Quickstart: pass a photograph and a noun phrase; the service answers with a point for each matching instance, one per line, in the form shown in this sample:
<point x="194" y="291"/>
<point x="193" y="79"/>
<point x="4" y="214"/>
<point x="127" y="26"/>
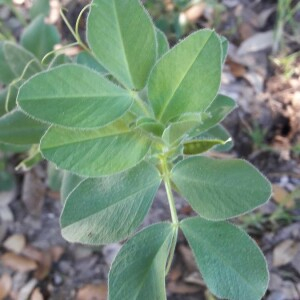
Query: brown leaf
<point x="236" y="69"/>
<point x="15" y="243"/>
<point x="5" y="286"/>
<point x="92" y="292"/>
<point x="37" y="295"/>
<point x="282" y="197"/>
<point x="18" y="263"/>
<point x="285" y="252"/>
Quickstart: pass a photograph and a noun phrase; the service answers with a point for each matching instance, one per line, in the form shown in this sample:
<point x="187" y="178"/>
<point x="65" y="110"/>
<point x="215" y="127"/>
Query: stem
<point x="172" y="252"/>
<point x="166" y="177"/>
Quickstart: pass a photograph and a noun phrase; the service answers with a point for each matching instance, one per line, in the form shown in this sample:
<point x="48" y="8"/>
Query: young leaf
<point x="117" y="42"/>
<point x="162" y="43"/>
<point x="113" y="207"/>
<point x="200" y="145"/>
<point x="73" y="96"/>
<point x="221" y="133"/>
<point x="230" y="262"/>
<point x="94" y="153"/>
<point x="138" y="271"/>
<point x="220" y="189"/>
<point x="69" y="183"/>
<point x="39" y="38"/>
<point x="187" y="78"/>
<point x="17" y="128"/>
<point x="19" y="58"/>
<point x="6" y="74"/>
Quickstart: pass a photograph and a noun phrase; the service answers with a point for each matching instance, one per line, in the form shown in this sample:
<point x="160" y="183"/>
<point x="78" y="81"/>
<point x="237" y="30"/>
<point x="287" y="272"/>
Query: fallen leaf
<point x="285" y="252"/>
<point x="257" y="42"/>
<point x="44" y="266"/>
<point x="27" y="289"/>
<point x="37" y="295"/>
<point x="15" y="243"/>
<point x="236" y="69"/>
<point x="282" y="197"/>
<point x="92" y="292"/>
<point x="18" y="263"/>
<point x="5" y="286"/>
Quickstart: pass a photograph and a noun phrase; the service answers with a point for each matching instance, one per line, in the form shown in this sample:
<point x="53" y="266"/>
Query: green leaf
<point x="59" y="60"/>
<point x="221" y="133"/>
<point x="69" y="183"/>
<point x="33" y="158"/>
<point x="95" y="153"/>
<point x="6" y="74"/>
<point x="20" y="59"/>
<point x="187" y="78"/>
<point x="3" y="95"/>
<point x="73" y="96"/>
<point x="218" y="189"/>
<point x="116" y="40"/>
<point x="54" y="177"/>
<point x="162" y="43"/>
<point x="40" y="38"/>
<point x="17" y="128"/>
<point x="230" y="262"/>
<point x="39" y="7"/>
<point x="113" y="206"/>
<point x="200" y="145"/>
<point x="86" y="59"/>
<point x="217" y="111"/>
<point x="150" y="125"/>
<point x="138" y="271"/>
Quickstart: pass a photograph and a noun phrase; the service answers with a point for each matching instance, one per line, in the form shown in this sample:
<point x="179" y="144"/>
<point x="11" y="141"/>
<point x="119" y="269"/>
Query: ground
<point x="262" y="74"/>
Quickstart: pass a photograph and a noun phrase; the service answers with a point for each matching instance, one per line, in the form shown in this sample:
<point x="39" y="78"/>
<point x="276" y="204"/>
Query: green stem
<point x="172" y="251"/>
<point x="166" y="177"/>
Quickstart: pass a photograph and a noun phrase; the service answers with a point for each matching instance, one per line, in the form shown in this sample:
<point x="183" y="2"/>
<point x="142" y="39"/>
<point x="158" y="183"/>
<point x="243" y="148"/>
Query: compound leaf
<point x="113" y="206"/>
<point x="117" y="42"/>
<point x="138" y="271"/>
<point x="73" y="96"/>
<point x="187" y="78"/>
<point x="68" y="184"/>
<point x="220" y="189"/>
<point x="230" y="262"/>
<point x="93" y="153"/>
<point x="162" y="43"/>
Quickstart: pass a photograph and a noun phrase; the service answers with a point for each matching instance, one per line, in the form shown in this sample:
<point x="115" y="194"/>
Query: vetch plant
<point x="151" y="119"/>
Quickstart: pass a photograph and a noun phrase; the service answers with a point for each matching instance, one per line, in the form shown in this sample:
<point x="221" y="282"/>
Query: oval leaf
<point x="162" y="43"/>
<point x="230" y="262"/>
<point x="17" y="128"/>
<point x="73" y="96"/>
<point x="68" y="184"/>
<point x="187" y="78"/>
<point x="95" y="152"/>
<point x="113" y="206"/>
<point x="138" y="271"/>
<point x="220" y="189"/>
<point x="6" y="74"/>
<point x="117" y="42"/>
<point x="200" y="146"/>
<point x="39" y="38"/>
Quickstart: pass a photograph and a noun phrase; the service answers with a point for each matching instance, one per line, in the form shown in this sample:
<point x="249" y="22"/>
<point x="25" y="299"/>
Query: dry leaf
<point x="285" y="252"/>
<point x="27" y="289"/>
<point x="236" y="69"/>
<point x="5" y="286"/>
<point x="15" y="243"/>
<point x="193" y="13"/>
<point x="259" y="41"/>
<point x="282" y="197"/>
<point x="92" y="292"/>
<point x="18" y="263"/>
<point x="37" y="295"/>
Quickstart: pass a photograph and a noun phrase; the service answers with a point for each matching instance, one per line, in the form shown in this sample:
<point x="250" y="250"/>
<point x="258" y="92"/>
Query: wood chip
<point x="5" y="286"/>
<point x="92" y="292"/>
<point x="285" y="252"/>
<point x="15" y="243"/>
<point x="18" y="263"/>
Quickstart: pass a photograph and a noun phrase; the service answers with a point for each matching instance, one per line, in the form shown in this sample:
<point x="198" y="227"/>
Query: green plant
<point x="150" y="121"/>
